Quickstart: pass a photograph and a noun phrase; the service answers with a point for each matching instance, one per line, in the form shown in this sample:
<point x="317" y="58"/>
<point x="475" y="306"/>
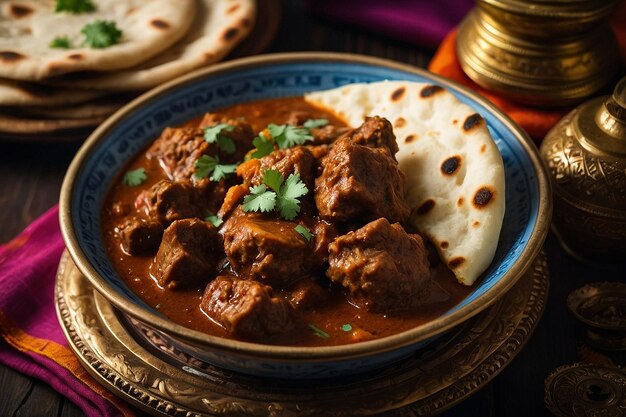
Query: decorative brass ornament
<point x="539" y="52"/>
<point x="164" y="382"/>
<point x="601" y="307"/>
<point x="586" y="158"/>
<point x="586" y="390"/>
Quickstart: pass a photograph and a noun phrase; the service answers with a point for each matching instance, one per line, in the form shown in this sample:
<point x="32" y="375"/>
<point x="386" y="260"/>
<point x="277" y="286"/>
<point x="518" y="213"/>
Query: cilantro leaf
<point x="213" y="134"/>
<point x="346" y="327"/>
<point x="284" y="197"/>
<point x="318" y="332"/>
<point x="74" y="6"/>
<point x="304" y="232"/>
<point x="294" y="187"/>
<point x="213" y="219"/>
<point x="313" y="123"/>
<point x="287" y="136"/>
<point x="61" y="42"/>
<point x="273" y="179"/>
<point x="222" y="171"/>
<point x="287" y="201"/>
<point x="204" y="166"/>
<point x="208" y="165"/>
<point x="101" y="34"/>
<point x="135" y="177"/>
<point x="259" y="199"/>
<point x="263" y="146"/>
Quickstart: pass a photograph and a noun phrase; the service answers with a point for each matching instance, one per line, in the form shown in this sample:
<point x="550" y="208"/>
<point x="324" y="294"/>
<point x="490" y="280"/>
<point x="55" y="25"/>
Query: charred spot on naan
<point x="451" y="165"/>
<point x="425" y="207"/>
<point x="472" y="122"/>
<point x="159" y="24"/>
<point x="430" y="90"/>
<point x="76" y="57"/>
<point x="460" y="201"/>
<point x="233" y="8"/>
<point x="398" y="93"/>
<point x="483" y="196"/>
<point x="456" y="262"/>
<point x="400" y="122"/>
<point x="410" y="138"/>
<point x="19" y="11"/>
<point x="10" y="56"/>
<point x="444" y="244"/>
<point x="230" y="34"/>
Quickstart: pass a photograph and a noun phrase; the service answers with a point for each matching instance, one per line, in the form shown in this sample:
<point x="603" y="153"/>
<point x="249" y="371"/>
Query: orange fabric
<point x="62" y="355"/>
<point x="536" y="121"/>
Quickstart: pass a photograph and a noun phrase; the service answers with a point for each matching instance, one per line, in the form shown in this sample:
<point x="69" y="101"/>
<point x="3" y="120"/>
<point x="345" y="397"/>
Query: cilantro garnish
<point x="208" y="165"/>
<point x="313" y="123"/>
<point x="346" y="327"/>
<point x="135" y="177"/>
<point x="213" y="219"/>
<point x="259" y="199"/>
<point x="61" y="42"/>
<point x="304" y="232"/>
<point x="287" y="136"/>
<point x="74" y="6"/>
<point x="101" y="34"/>
<point x="213" y="134"/>
<point x="263" y="146"/>
<point x="284" y="196"/>
<point x="318" y="332"/>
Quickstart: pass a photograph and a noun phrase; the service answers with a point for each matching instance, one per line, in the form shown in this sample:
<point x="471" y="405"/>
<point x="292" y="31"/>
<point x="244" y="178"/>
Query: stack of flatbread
<point x="48" y="88"/>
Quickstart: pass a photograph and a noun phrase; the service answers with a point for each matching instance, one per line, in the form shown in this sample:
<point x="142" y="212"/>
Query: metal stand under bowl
<point x="433" y="379"/>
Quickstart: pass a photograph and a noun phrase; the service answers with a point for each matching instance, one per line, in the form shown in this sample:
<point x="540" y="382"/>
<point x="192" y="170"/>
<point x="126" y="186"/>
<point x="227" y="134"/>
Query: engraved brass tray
<point x="431" y="380"/>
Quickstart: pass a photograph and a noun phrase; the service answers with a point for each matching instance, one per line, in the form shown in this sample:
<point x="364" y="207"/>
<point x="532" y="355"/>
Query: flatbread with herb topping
<point x="218" y="27"/>
<point x="27" y="28"/>
<point x="455" y="173"/>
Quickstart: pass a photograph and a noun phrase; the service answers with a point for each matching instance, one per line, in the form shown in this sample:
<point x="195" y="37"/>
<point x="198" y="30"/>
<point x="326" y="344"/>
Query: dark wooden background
<point x="31" y="176"/>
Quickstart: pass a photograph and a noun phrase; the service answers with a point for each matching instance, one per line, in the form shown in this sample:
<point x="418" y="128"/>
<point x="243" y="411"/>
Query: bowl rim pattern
<point x="340" y="352"/>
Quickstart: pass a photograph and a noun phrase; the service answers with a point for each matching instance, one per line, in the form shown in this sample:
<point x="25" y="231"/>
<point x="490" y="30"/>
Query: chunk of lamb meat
<point x="246" y="308"/>
<point x="266" y="249"/>
<point x="307" y="294"/>
<point x="375" y="132"/>
<point x="241" y="134"/>
<point x="168" y="201"/>
<point x="298" y="160"/>
<point x="140" y="236"/>
<point x="382" y="268"/>
<point x="360" y="182"/>
<point x="178" y="149"/>
<point x="188" y="256"/>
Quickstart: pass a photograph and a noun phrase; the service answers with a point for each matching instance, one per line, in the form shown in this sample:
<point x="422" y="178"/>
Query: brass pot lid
<point x="601" y="305"/>
<point x="602" y="308"/>
<point x="586" y="390"/>
<point x="557" y="9"/>
<point x="600" y="125"/>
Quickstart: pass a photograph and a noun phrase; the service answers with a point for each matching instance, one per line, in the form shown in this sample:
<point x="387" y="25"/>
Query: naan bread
<point x="27" y="28"/>
<point x="455" y="174"/>
<point x="23" y="93"/>
<point x="218" y="27"/>
<point x="101" y="107"/>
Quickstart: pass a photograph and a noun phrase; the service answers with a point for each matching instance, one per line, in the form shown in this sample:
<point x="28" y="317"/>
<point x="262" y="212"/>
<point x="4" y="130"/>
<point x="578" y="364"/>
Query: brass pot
<point x="586" y="157"/>
<point x="539" y="52"/>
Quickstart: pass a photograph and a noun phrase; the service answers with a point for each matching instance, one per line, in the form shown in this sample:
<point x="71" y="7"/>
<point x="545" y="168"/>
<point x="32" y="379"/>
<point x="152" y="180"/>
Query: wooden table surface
<point x="31" y="176"/>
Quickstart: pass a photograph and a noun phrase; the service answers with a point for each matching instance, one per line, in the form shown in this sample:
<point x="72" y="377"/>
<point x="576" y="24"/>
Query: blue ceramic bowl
<point x="125" y="134"/>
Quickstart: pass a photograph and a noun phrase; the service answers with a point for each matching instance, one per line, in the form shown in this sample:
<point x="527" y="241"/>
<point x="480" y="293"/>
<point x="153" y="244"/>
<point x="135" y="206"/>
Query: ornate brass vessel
<point x="586" y="156"/>
<point x="540" y="52"/>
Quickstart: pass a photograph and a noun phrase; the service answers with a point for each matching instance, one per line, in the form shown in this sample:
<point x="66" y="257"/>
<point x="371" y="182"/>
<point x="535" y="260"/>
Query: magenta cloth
<point x="28" y="320"/>
<point x="422" y="22"/>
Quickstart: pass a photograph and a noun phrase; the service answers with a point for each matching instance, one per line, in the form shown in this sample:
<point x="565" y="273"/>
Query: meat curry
<point x="274" y="222"/>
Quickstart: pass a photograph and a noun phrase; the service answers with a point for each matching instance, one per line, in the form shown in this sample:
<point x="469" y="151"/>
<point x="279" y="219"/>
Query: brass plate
<point x="428" y="382"/>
